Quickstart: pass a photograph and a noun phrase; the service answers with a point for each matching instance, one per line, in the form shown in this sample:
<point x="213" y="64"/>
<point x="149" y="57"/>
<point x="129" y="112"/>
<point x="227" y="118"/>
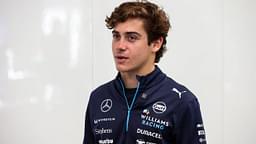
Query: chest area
<point x="148" y="123"/>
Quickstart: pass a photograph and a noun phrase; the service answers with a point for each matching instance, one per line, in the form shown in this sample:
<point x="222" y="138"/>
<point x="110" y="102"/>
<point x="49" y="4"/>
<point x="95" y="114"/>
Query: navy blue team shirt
<point x="157" y="111"/>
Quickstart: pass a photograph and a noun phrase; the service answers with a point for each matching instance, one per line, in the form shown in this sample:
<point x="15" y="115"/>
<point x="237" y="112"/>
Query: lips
<point x="121" y="59"/>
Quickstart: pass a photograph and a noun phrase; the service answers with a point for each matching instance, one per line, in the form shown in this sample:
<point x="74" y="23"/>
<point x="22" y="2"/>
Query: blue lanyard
<point x="129" y="107"/>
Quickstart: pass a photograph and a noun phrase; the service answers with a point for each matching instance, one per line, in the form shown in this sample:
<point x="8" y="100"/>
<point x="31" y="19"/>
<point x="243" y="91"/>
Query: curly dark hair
<point x="156" y="21"/>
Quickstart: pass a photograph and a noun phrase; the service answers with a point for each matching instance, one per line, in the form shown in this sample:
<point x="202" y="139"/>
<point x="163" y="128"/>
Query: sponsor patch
<point x="140" y="141"/>
<point x="96" y="121"/>
<point x="106" y="105"/>
<point x="201" y="133"/>
<point x="102" y="131"/>
<point x="153" y="122"/>
<point x="159" y="107"/>
<point x="149" y="133"/>
<point x="106" y="141"/>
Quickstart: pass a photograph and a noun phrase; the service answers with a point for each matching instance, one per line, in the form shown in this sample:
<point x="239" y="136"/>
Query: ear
<point x="156" y="44"/>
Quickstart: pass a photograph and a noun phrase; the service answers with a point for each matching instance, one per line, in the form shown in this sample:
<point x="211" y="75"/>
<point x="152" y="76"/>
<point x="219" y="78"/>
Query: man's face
<point x="130" y="47"/>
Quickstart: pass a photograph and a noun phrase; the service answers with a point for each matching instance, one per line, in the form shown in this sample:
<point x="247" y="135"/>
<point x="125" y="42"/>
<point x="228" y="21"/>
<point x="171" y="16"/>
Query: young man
<point x="141" y="105"/>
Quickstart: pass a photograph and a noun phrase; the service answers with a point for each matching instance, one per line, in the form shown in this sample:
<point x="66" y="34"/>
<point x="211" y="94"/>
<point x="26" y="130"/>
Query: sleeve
<point x="88" y="131"/>
<point x="190" y="128"/>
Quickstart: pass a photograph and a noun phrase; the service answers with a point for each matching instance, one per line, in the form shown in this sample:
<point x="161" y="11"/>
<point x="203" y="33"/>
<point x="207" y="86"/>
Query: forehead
<point x="131" y="25"/>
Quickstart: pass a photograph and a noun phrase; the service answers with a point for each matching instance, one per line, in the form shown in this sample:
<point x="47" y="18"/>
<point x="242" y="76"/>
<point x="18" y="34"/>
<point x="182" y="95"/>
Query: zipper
<point x="129" y="108"/>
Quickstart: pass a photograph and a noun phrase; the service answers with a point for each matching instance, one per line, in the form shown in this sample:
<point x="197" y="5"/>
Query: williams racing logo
<point x="153" y="122"/>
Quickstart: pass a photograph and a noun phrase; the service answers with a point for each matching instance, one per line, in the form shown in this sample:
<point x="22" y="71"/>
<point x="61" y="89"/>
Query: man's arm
<point x="88" y="131"/>
<point x="190" y="128"/>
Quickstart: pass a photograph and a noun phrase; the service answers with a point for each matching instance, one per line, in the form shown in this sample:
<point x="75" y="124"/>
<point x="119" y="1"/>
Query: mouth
<point x="121" y="59"/>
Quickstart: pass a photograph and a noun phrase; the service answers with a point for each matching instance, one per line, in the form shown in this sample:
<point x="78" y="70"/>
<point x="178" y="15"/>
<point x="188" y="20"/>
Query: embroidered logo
<point x="106" y="105"/>
<point x="159" y="107"/>
<point x="178" y="92"/>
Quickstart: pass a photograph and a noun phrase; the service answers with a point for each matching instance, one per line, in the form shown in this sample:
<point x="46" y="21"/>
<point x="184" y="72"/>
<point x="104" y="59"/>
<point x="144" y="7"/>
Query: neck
<point x="130" y="79"/>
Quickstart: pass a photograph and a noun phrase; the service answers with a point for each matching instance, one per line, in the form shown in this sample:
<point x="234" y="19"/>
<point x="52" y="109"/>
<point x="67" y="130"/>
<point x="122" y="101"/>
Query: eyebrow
<point x="127" y="33"/>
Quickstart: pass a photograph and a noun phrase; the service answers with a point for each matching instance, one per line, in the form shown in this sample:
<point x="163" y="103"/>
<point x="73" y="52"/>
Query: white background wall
<point x="54" y="52"/>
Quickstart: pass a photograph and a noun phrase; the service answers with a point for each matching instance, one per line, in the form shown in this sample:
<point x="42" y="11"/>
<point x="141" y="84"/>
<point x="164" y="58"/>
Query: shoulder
<point x="98" y="94"/>
<point x="187" y="102"/>
<point x="102" y="88"/>
<point x="179" y="90"/>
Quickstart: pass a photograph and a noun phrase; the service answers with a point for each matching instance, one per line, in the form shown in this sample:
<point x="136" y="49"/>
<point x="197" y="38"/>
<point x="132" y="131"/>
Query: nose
<point x="120" y="45"/>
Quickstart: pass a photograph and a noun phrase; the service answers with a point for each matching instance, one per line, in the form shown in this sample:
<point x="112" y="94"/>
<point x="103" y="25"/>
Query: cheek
<point x="141" y="53"/>
<point x="144" y="49"/>
<point x="113" y="47"/>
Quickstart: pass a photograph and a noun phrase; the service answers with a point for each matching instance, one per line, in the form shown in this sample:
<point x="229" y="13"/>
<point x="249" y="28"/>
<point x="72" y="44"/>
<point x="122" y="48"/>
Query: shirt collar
<point x="148" y="80"/>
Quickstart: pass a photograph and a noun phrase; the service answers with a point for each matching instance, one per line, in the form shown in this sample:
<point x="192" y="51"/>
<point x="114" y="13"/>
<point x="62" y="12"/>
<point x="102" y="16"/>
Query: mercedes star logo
<point x="106" y="105"/>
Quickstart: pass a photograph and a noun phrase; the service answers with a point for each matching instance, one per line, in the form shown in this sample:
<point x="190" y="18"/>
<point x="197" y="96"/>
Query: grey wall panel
<point x="46" y="70"/>
<point x="195" y="57"/>
<point x="239" y="71"/>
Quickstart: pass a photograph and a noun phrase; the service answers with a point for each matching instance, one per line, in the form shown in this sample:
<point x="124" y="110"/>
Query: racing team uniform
<point x="158" y="111"/>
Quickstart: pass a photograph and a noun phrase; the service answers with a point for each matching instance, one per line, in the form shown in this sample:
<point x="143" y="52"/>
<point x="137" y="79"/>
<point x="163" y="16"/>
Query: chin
<point x="122" y="68"/>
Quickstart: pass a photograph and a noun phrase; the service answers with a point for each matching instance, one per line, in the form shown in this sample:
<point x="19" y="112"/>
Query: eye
<point x="115" y="36"/>
<point x="132" y="38"/>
